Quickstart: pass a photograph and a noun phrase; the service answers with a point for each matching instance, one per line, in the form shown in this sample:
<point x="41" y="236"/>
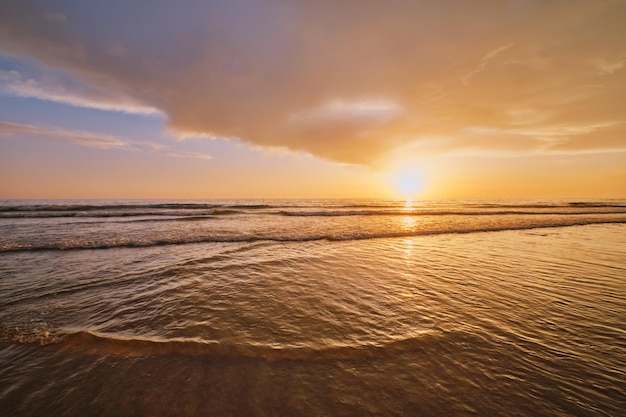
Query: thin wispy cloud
<point x="77" y="137"/>
<point x="76" y="94"/>
<point x="483" y="63"/>
<point x="348" y="81"/>
<point x="94" y="140"/>
<point x="187" y="154"/>
<point x="337" y="111"/>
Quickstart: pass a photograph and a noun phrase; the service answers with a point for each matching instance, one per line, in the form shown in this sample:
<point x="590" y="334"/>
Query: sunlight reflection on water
<point x="441" y="323"/>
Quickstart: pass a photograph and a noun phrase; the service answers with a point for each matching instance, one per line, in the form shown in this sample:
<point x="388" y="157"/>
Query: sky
<point x="313" y="99"/>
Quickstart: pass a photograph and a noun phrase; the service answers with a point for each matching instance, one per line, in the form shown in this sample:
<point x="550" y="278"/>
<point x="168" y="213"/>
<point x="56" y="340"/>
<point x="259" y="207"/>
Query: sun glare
<point x="407" y="183"/>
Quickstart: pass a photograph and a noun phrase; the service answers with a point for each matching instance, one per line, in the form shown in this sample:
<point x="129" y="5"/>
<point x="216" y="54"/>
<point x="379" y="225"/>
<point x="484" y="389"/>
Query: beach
<point x="313" y="307"/>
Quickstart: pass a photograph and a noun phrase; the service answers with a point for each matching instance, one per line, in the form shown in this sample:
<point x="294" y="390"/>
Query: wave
<point x="88" y="342"/>
<point x="160" y="206"/>
<point x="187" y="206"/>
<point x="302" y="208"/>
<point x="119" y="213"/>
<point x="586" y="204"/>
<point x="208" y="214"/>
<point x="83" y="245"/>
<point x="421" y="212"/>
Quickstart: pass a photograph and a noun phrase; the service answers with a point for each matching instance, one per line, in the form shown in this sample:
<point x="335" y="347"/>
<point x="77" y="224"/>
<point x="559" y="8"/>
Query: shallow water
<point x="313" y="308"/>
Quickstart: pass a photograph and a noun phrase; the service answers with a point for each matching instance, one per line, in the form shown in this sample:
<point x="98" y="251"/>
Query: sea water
<point x="312" y="307"/>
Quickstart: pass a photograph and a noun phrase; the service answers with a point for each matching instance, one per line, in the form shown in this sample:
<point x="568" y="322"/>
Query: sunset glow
<point x="408" y="183"/>
<point x="312" y="207"/>
<point x="253" y="99"/>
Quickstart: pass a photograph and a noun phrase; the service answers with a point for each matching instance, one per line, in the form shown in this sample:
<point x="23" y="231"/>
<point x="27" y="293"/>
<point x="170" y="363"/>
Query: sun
<point x="407" y="183"/>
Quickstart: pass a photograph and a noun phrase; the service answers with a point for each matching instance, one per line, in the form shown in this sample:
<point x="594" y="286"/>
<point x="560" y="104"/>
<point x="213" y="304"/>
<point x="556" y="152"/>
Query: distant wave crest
<point x="290" y="208"/>
<point x="405" y="212"/>
<point x="124" y="210"/>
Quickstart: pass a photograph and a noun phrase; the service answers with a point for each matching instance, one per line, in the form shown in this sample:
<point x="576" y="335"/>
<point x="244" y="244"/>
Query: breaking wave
<point x="88" y="342"/>
<point x="329" y="236"/>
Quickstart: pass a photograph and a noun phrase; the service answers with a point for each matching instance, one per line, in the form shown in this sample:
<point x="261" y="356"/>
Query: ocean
<point x="312" y="308"/>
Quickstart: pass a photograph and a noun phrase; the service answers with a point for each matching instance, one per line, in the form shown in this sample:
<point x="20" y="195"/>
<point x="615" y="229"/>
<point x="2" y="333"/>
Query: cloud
<point x="94" y="140"/>
<point x="55" y="17"/>
<point x="338" y="111"/>
<point x="605" y="67"/>
<point x="548" y="139"/>
<point x="58" y="89"/>
<point x="89" y="139"/>
<point x="483" y="62"/>
<point x="186" y="154"/>
<point x="353" y="82"/>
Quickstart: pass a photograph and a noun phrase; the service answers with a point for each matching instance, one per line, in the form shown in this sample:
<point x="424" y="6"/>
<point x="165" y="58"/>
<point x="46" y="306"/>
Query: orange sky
<point x="253" y="99"/>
